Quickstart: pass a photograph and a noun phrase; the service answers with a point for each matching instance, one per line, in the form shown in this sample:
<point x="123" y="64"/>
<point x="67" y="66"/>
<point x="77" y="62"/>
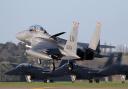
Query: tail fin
<point x="119" y="58"/>
<point x="71" y="45"/>
<point x="96" y="37"/>
<point x="110" y="60"/>
<point x="98" y="47"/>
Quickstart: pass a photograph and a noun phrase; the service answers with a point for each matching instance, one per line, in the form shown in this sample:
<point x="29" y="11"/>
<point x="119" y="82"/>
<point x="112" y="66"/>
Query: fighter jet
<point x="85" y="73"/>
<point x="110" y="68"/>
<point x="32" y="72"/>
<point x="69" y="67"/>
<point x="45" y="46"/>
<point x="116" y="69"/>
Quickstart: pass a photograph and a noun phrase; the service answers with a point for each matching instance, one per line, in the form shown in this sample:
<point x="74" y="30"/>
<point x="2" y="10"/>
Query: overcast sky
<point x="57" y="16"/>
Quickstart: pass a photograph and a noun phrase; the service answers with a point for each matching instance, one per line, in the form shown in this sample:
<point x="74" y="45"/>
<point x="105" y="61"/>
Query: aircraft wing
<point x="61" y="71"/>
<point x="50" y="47"/>
<point x="45" y="44"/>
<point x="43" y="49"/>
<point x="106" y="46"/>
<point x="15" y="71"/>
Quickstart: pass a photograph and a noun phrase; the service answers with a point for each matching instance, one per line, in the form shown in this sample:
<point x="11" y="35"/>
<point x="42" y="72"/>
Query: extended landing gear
<point x="28" y="78"/>
<point x="39" y="61"/>
<point x="90" y="81"/>
<point x="123" y="78"/>
<point x="53" y="63"/>
<point x="73" y="78"/>
<point x="96" y="80"/>
<point x="48" y="81"/>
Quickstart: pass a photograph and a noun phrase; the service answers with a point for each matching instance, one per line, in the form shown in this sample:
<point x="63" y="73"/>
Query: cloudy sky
<point x="57" y="16"/>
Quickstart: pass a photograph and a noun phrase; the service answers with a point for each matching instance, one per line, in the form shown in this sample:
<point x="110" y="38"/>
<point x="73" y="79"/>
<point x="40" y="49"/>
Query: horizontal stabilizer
<point x="58" y="34"/>
<point x="107" y="46"/>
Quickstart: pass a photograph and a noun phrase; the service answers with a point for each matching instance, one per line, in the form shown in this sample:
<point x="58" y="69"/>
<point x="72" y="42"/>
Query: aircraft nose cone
<point x="22" y="35"/>
<point x="19" y="36"/>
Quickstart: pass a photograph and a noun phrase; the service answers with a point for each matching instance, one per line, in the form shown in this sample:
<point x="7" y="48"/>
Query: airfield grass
<point x="66" y="84"/>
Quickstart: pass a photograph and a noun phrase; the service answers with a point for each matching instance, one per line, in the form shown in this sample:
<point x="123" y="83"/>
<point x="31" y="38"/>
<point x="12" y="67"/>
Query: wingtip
<point x="98" y="23"/>
<point x="75" y="25"/>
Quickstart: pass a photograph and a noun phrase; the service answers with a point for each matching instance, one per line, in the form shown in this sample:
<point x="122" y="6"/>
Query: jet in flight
<point x="45" y="46"/>
<point x="42" y="45"/>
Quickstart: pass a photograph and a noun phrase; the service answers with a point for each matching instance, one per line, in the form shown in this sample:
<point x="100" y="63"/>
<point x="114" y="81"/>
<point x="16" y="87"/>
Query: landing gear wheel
<point x="90" y="81"/>
<point x="73" y="78"/>
<point x="97" y="80"/>
<point x="53" y="65"/>
<point x="28" y="78"/>
<point x="46" y="81"/>
<point x="51" y="81"/>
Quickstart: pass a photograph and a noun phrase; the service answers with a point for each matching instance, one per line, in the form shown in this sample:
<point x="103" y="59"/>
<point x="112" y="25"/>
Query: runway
<point x="55" y="88"/>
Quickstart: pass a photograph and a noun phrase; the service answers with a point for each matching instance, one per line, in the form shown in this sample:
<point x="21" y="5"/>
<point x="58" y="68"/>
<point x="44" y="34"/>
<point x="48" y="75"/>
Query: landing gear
<point x="123" y="78"/>
<point x="53" y="65"/>
<point x="90" y="81"/>
<point x="28" y="78"/>
<point x="39" y="61"/>
<point x="97" y="80"/>
<point x="48" y="81"/>
<point x="73" y="78"/>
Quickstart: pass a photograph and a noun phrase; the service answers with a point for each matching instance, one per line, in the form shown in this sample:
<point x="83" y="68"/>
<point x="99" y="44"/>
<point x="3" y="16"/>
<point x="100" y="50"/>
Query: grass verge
<point x="65" y="84"/>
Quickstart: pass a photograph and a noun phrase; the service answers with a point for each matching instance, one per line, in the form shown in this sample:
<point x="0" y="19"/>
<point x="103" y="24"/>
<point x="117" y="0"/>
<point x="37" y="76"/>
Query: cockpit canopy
<point x="37" y="28"/>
